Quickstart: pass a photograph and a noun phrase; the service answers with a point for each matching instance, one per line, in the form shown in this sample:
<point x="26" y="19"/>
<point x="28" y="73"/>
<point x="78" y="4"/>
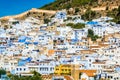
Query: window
<point x="58" y="79"/>
<point x="11" y="63"/>
<point x="98" y="65"/>
<point x="62" y="69"/>
<point x="111" y="77"/>
<point x="51" y="69"/>
<point x="20" y="69"/>
<point x="89" y="60"/>
<point x="90" y="65"/>
<point x="57" y="69"/>
<point x="46" y="69"/>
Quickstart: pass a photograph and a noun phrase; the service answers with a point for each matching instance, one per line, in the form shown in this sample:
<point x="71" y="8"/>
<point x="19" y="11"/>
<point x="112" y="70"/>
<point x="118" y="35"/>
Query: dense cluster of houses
<point x="60" y="52"/>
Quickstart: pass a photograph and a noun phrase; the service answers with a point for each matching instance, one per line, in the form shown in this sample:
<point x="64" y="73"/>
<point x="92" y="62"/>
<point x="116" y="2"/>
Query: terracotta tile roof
<point x="51" y="52"/>
<point x="59" y="50"/>
<point x="94" y="46"/>
<point x="90" y="73"/>
<point x="68" y="77"/>
<point x="87" y="51"/>
<point x="66" y="65"/>
<point x="104" y="45"/>
<point x="98" y="62"/>
<point x="46" y="77"/>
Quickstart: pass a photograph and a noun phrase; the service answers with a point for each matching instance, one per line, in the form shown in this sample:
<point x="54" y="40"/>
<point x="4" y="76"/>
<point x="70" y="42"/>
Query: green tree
<point x="77" y="10"/>
<point x="95" y="77"/>
<point x="95" y="37"/>
<point x="76" y="26"/>
<point x="79" y="26"/>
<point x="119" y="9"/>
<point x="69" y="18"/>
<point x="36" y="76"/>
<point x="115" y="13"/>
<point x="2" y="72"/>
<point x="91" y="35"/>
<point x="68" y="6"/>
<point x="70" y="24"/>
<point x="46" y="21"/>
<point x="89" y="15"/>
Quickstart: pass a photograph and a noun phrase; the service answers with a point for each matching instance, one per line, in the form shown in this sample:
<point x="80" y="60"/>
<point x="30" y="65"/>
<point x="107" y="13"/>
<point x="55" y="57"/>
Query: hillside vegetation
<point x="66" y="4"/>
<point x="85" y="8"/>
<point x="115" y="13"/>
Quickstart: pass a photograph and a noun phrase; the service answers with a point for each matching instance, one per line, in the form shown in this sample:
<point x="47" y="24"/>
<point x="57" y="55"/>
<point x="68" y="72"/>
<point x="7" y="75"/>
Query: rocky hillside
<point x="36" y="13"/>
